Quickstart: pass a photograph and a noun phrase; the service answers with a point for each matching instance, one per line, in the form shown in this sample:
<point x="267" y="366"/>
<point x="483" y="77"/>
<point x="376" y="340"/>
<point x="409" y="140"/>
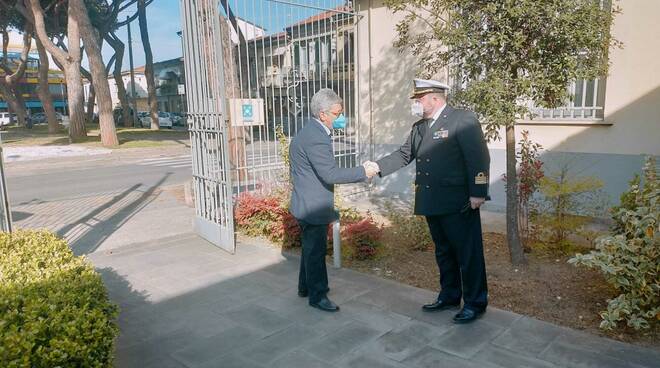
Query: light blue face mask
<point x="340" y="122"/>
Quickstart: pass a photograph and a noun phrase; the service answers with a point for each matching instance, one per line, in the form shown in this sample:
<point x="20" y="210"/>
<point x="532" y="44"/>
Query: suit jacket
<point x="452" y="162"/>
<point x="314" y="172"/>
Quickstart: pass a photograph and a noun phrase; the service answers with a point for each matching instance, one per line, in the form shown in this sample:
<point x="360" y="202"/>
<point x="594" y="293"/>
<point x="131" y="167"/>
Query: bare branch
<point x="109" y="66"/>
<point x="5" y="45"/>
<point x="36" y="17"/>
<point x="27" y="43"/>
<point x="127" y="5"/>
<point x="132" y="17"/>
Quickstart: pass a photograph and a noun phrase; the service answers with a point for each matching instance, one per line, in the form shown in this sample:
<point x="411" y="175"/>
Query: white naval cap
<point x="424" y="86"/>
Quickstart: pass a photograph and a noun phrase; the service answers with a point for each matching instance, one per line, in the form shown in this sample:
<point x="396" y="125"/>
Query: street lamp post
<point x="130" y="60"/>
<point x="181" y="95"/>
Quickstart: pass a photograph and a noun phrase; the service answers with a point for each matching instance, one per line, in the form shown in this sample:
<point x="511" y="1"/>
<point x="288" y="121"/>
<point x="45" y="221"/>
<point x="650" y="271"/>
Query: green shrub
<point x="409" y="231"/>
<point x="629" y="256"/>
<point x="54" y="311"/>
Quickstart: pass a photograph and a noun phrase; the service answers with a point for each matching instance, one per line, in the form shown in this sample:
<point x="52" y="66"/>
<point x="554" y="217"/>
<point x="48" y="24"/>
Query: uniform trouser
<point x="460" y="257"/>
<point x="313" y="276"/>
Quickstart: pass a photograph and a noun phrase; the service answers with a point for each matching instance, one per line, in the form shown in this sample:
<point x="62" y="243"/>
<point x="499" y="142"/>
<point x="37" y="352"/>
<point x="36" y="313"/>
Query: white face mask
<point x="417" y="109"/>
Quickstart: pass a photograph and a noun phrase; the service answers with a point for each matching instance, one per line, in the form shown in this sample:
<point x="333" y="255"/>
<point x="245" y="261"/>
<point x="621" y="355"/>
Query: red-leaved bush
<point x="269" y="216"/>
<point x="362" y="238"/>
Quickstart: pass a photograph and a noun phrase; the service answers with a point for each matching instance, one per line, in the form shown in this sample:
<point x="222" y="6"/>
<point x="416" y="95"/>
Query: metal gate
<point x="281" y="52"/>
<point x="267" y="58"/>
<point x="203" y="61"/>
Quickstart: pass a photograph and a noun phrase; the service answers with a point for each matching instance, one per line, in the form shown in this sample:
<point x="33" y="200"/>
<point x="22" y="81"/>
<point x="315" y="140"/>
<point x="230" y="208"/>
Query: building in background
<point x="28" y="84"/>
<point x="169" y="76"/>
<point x="140" y="89"/>
<point x="170" y="85"/>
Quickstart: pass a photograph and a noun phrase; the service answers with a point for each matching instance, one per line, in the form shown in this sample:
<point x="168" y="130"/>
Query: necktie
<point x="424" y="127"/>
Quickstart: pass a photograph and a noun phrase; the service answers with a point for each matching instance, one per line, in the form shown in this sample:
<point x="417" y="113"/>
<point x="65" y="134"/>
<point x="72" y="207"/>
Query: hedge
<point x="54" y="309"/>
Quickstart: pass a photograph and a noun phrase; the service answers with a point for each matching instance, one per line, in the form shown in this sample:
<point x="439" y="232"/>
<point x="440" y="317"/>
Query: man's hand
<point x="476" y="202"/>
<point x="371" y="168"/>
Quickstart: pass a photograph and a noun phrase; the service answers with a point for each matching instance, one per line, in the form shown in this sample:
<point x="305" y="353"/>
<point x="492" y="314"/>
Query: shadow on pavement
<point x="100" y="228"/>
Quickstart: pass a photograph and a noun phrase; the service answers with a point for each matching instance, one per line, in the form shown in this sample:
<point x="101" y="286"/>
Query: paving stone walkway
<point x="185" y="303"/>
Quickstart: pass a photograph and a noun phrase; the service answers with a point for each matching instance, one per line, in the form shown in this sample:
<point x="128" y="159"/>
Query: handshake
<point x="371" y="168"/>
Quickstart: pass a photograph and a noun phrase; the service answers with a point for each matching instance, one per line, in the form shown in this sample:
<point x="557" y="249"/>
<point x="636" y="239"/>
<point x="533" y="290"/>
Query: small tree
<point x="565" y="205"/>
<point x="506" y="54"/>
<point x="530" y="173"/>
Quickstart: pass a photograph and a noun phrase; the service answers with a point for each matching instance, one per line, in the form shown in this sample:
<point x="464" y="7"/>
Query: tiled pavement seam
<point x="187" y="304"/>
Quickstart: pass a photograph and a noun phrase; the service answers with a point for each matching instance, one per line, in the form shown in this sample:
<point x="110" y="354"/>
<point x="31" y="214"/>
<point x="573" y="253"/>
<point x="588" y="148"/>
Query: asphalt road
<point x="69" y="183"/>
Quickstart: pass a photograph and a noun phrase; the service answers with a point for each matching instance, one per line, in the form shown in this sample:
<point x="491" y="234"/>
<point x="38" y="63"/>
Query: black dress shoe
<point x="467" y="315"/>
<point x="439" y="305"/>
<point x="325" y="304"/>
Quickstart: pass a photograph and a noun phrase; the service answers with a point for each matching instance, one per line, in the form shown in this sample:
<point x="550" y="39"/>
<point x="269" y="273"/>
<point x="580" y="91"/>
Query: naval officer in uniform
<point x="452" y="159"/>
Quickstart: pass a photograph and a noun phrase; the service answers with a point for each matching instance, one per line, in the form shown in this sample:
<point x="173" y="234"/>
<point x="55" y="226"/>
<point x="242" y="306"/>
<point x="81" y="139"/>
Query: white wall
<point x="611" y="149"/>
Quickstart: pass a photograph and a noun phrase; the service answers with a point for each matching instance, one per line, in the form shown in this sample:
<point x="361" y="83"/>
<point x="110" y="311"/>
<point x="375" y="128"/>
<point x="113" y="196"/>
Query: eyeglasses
<point x="332" y="113"/>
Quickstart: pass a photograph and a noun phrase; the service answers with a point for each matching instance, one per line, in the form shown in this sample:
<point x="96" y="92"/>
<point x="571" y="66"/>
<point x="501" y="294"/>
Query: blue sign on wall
<point x="248" y="113"/>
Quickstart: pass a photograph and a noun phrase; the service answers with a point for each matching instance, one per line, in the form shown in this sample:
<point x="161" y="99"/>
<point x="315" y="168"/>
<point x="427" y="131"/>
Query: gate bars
<point x="205" y="93"/>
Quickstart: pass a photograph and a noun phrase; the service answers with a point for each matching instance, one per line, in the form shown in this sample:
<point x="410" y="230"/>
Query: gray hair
<point x="323" y="100"/>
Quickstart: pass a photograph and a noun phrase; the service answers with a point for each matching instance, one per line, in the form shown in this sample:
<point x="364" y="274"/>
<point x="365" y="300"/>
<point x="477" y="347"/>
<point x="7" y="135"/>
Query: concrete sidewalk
<point x="104" y="221"/>
<point x="185" y="303"/>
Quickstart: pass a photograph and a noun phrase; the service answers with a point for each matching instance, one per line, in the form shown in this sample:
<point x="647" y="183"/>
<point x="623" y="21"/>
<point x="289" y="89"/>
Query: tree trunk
<point x="11" y="76"/>
<point x="236" y="134"/>
<point x="118" y="46"/>
<point x="149" y="65"/>
<point x="92" y="43"/>
<point x="512" y="230"/>
<point x="15" y="103"/>
<point x="75" y="97"/>
<point x="91" y="101"/>
<point x="5" y="43"/>
<point x="43" y="92"/>
<point x="69" y="60"/>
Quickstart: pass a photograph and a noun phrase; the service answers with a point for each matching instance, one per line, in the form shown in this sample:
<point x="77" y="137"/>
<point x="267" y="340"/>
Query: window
<point x="586" y="102"/>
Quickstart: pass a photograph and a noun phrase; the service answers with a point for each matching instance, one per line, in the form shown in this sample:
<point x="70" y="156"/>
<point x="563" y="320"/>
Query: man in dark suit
<point x="314" y="172"/>
<point x="451" y="184"/>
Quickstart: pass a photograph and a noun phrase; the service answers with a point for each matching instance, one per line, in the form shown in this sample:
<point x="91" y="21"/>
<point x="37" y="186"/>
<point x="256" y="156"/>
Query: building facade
<point x="169" y="79"/>
<point x="605" y="131"/>
<point x="28" y="84"/>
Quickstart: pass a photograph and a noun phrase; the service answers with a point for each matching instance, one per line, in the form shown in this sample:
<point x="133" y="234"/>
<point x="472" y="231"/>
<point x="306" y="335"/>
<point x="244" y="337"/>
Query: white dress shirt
<point x="437" y="115"/>
<point x="324" y="127"/>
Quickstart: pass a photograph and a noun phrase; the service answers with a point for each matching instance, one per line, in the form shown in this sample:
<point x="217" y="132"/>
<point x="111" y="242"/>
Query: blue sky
<point x="164" y="20"/>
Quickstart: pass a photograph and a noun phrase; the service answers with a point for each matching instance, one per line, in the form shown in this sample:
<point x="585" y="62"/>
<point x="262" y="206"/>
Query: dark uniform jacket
<point x="314" y="172"/>
<point x="452" y="162"/>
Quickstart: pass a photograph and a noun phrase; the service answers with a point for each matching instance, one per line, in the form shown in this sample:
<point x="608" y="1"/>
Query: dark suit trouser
<point x="313" y="276"/>
<point x="460" y="257"/>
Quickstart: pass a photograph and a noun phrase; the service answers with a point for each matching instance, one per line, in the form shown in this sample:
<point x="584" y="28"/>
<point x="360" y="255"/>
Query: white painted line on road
<point x="160" y="164"/>
<point x="182" y="165"/>
<point x="154" y="163"/>
<point x="164" y="158"/>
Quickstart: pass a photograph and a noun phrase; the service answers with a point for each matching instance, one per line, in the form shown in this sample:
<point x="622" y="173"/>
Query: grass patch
<point x="128" y="137"/>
